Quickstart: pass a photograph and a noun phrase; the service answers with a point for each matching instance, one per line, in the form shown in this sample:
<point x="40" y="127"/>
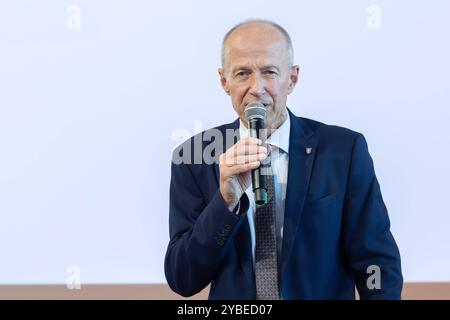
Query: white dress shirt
<point x="278" y="142"/>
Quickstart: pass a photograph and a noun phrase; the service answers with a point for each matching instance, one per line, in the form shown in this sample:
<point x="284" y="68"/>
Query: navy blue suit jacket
<point x="336" y="224"/>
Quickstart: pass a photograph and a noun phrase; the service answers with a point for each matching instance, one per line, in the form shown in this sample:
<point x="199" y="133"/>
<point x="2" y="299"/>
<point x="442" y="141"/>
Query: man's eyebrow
<point x="240" y="68"/>
<point x="270" y="66"/>
<point x="266" y="67"/>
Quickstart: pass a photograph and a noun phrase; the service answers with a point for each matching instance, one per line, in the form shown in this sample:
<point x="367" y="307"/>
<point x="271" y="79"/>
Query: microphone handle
<point x="259" y="180"/>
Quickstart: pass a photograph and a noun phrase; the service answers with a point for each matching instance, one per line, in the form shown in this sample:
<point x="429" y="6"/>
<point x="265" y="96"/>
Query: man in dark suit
<point x="325" y="228"/>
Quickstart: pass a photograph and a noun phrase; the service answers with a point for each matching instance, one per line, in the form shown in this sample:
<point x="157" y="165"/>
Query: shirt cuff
<point x="242" y="205"/>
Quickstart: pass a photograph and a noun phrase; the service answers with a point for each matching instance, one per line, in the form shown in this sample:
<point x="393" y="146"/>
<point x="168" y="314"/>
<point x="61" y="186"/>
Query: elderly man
<point x="325" y="227"/>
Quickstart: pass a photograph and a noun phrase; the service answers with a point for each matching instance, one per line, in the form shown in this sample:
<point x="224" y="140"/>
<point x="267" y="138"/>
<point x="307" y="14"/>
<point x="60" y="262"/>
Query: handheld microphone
<point x="255" y="113"/>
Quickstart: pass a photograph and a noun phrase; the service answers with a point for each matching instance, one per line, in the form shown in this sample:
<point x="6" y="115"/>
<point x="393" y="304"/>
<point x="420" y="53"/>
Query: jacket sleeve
<point x="369" y="246"/>
<point x="200" y="232"/>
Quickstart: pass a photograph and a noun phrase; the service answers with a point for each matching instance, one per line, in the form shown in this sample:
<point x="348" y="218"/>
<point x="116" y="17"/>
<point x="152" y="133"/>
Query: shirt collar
<point x="279" y="138"/>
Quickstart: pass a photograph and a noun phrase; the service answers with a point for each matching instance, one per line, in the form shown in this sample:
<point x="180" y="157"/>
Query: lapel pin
<point x="308" y="150"/>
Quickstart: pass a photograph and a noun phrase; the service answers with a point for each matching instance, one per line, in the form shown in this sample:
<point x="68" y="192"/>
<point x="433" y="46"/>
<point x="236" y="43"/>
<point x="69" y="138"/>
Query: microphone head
<point x="255" y="110"/>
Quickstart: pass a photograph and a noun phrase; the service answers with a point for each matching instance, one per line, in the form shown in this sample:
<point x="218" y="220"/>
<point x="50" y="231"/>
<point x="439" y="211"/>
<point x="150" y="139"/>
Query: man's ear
<point x="293" y="78"/>
<point x="223" y="81"/>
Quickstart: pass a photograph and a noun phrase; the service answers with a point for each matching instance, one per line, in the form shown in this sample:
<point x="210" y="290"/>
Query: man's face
<point x="256" y="69"/>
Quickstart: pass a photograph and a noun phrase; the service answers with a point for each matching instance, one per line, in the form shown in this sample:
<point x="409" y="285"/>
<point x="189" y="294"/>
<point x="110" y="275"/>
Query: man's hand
<point x="235" y="165"/>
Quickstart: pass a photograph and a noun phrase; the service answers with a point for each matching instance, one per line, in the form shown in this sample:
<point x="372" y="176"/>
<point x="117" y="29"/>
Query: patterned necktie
<point x="266" y="266"/>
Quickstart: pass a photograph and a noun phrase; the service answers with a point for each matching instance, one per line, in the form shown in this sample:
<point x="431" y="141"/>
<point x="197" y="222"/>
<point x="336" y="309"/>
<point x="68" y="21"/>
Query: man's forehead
<point x="262" y="60"/>
<point x="248" y="56"/>
<point x="258" y="43"/>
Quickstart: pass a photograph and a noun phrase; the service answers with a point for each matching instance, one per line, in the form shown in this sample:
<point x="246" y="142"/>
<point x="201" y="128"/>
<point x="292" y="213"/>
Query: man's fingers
<point x="243" y="159"/>
<point x="244" y="151"/>
<point x="250" y="144"/>
<point x="250" y="149"/>
<point x="231" y="171"/>
<point x="242" y="154"/>
<point x="249" y="140"/>
<point x="239" y="150"/>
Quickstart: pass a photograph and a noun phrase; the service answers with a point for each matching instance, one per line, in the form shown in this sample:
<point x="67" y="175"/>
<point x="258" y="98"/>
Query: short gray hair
<point x="283" y="31"/>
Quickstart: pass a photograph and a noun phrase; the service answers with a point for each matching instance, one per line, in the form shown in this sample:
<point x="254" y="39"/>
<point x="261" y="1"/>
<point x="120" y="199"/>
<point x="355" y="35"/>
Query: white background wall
<point x="87" y="113"/>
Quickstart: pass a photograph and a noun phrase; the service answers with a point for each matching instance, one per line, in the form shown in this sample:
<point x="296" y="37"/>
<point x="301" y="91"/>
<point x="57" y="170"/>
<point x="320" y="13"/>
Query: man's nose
<point x="257" y="88"/>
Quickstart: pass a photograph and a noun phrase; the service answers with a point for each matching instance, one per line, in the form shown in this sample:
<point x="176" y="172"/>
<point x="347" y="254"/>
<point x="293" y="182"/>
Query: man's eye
<point x="269" y="72"/>
<point x="241" y="73"/>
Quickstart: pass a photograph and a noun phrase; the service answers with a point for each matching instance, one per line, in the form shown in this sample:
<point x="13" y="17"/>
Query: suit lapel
<point x="299" y="173"/>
